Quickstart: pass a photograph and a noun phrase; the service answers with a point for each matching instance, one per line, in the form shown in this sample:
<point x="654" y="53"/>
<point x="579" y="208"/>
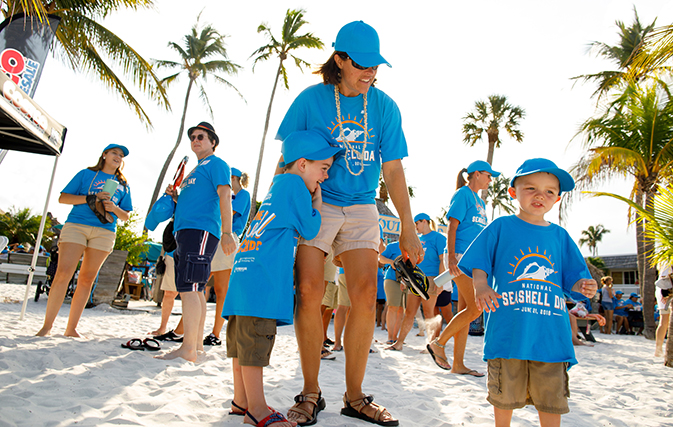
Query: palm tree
<point x="592" y="236"/>
<point x="86" y="45"/>
<point x="633" y="138"/>
<point x="489" y="117"/>
<point x="622" y="55"/>
<point x="657" y="50"/>
<point x="497" y="194"/>
<point x="201" y="44"/>
<point x="21" y="226"/>
<point x="281" y="49"/>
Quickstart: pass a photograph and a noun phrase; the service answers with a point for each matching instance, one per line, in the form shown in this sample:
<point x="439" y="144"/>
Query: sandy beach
<point x="60" y="381"/>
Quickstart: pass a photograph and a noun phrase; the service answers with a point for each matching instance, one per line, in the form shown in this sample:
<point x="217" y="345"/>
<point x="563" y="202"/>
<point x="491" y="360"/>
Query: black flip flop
<point x="169" y="336"/>
<point x="151" y="344"/>
<point x="134" y="344"/>
<point x="412" y="276"/>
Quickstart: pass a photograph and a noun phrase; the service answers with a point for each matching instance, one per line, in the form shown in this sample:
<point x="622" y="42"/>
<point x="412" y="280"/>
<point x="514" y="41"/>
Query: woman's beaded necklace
<point x="342" y="135"/>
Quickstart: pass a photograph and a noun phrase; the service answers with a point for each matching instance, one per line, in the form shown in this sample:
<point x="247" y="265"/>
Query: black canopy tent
<point x="25" y="126"/>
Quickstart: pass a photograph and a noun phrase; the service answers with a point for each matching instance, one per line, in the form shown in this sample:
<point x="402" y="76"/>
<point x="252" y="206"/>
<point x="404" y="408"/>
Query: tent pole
<point x="38" y="241"/>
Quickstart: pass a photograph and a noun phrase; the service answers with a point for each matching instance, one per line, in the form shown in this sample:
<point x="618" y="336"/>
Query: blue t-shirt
<point x="468" y="208"/>
<point x="315" y="108"/>
<point x="261" y="283"/>
<point x="240" y="205"/>
<point x="380" y="291"/>
<point x="90" y="182"/>
<point x="531" y="266"/>
<point x="434" y="246"/>
<point x="392" y="252"/>
<point x="198" y="206"/>
<point x="618" y="304"/>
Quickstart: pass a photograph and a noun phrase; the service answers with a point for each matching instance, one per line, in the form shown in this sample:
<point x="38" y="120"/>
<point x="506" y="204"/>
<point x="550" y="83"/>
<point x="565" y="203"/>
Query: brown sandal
<point x="354" y="409"/>
<point x="318" y="405"/>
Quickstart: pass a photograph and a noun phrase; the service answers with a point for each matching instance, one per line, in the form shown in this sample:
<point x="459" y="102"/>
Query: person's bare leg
<point x="413" y="302"/>
<point x="360" y="268"/>
<point x="340" y="318"/>
<point x="460" y="342"/>
<point x="254" y="390"/>
<point x="433" y="325"/>
<point x="239" y="387"/>
<point x="394" y="322"/>
<point x="608" y="321"/>
<point x="180" y="329"/>
<point x="220" y="286"/>
<point x="166" y="309"/>
<point x="503" y="417"/>
<point x="384" y="317"/>
<point x="309" y="272"/>
<point x="202" y="323"/>
<point x="69" y="256"/>
<point x="447" y="313"/>
<point x="191" y="316"/>
<point x="574" y="330"/>
<point x="549" y="420"/>
<point x="660" y="334"/>
<point x="326" y="317"/>
<point x="91" y="263"/>
<point x="461" y="320"/>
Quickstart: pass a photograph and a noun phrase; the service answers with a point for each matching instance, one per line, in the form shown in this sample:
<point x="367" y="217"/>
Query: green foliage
<point x="129" y="238"/>
<point x="598" y="263"/>
<point x="498" y="196"/>
<point x="592" y="236"/>
<point x="21" y="226"/>
<point x="442" y="218"/>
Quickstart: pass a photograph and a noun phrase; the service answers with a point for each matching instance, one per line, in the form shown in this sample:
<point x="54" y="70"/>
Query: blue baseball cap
<point x="482" y="166"/>
<point x="307" y="144"/>
<point x="422" y="216"/>
<point x="634" y="295"/>
<point x="619" y="293"/>
<point x="235" y="172"/>
<point x="361" y="42"/>
<point x="531" y="166"/>
<point x="121" y="147"/>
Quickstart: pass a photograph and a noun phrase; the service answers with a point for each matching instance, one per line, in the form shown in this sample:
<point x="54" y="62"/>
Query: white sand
<point x="60" y="381"/>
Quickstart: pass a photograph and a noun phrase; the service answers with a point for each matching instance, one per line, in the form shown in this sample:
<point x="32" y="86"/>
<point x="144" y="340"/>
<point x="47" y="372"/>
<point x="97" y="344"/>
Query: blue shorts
<point x="443" y="299"/>
<point x="608" y="305"/>
<point x="192" y="259"/>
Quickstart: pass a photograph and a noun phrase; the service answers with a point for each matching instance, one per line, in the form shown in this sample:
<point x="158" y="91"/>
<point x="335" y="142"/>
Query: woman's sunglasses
<point x="356" y="65"/>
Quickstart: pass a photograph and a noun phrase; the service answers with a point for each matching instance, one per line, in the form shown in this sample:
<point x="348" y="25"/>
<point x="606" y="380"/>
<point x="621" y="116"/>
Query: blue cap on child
<point x="307" y="144"/>
<point x="531" y="166"/>
<point x="422" y="216"/>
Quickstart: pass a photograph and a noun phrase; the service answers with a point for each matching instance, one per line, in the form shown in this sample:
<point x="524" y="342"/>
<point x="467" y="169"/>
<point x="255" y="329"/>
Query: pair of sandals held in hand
<point x="412" y="276"/>
<point x="353" y="408"/>
<point x="96" y="205"/>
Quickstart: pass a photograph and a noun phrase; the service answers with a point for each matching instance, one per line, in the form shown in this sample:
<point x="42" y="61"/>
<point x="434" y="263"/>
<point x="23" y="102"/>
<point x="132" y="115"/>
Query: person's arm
<point x="393" y="175"/>
<point x="611" y="292"/>
<point x="451" y="246"/>
<point x="384" y="260"/>
<point x="485" y="297"/>
<point x="71" y="199"/>
<point x="111" y="207"/>
<point x="586" y="287"/>
<point x="227" y="240"/>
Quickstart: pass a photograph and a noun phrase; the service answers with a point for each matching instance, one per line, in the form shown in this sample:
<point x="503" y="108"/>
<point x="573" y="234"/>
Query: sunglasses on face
<point x="200" y="137"/>
<point x="358" y="66"/>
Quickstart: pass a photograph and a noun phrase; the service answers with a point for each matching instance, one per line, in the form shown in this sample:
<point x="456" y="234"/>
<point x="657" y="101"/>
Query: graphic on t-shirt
<point x="252" y="240"/>
<point x="530" y="269"/>
<point x="354" y="133"/>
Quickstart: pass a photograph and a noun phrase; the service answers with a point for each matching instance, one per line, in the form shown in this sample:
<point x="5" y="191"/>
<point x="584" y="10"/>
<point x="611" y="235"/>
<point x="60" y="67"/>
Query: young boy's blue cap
<point x="361" y="42"/>
<point x="531" y="166"/>
<point x="121" y="147"/>
<point x="235" y="172"/>
<point x="482" y="166"/>
<point x="634" y="295"/>
<point x="619" y="293"/>
<point x="307" y="144"/>
<point x="422" y="216"/>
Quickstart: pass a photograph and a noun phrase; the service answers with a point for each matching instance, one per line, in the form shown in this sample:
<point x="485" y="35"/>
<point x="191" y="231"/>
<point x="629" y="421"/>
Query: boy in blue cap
<point x="527" y="263"/>
<point x="260" y="294"/>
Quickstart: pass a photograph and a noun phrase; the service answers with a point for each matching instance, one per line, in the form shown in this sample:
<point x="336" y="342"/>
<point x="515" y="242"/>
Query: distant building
<point x="622" y="268"/>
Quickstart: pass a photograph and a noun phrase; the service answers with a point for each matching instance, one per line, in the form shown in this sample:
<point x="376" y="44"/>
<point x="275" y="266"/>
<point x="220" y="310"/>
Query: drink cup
<point x="110" y="186"/>
<point x="444" y="280"/>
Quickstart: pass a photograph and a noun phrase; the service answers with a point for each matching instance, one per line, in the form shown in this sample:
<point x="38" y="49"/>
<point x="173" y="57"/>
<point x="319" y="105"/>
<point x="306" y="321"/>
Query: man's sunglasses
<point x="356" y="65"/>
<point x="200" y="137"/>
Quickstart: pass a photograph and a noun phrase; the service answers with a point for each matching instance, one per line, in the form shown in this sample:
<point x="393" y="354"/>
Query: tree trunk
<point x="668" y="359"/>
<point x="639" y="240"/>
<point x="169" y="159"/>
<point x="492" y="138"/>
<point x="650" y="276"/>
<point x="253" y="204"/>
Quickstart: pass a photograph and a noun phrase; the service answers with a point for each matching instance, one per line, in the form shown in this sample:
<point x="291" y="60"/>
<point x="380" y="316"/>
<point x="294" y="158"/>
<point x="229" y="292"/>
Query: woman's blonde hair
<point x="460" y="181"/>
<point x="606" y="279"/>
<point x="118" y="173"/>
<point x="243" y="180"/>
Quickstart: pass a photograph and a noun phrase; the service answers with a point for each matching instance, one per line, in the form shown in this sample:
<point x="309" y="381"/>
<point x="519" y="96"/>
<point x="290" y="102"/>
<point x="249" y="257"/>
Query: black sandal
<point x="354" y="409"/>
<point x="318" y="405"/>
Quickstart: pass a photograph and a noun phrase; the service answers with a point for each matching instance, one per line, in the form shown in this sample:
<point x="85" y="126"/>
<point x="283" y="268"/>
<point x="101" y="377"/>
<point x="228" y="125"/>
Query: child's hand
<point x="485" y="297"/>
<point x="587" y="287"/>
<point x="316" y="200"/>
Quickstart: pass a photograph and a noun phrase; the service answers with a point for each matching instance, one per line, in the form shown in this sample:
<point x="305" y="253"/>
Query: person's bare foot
<point x="157" y="332"/>
<point x="262" y="415"/>
<point x="658" y="352"/>
<point x="398" y="346"/>
<point x="188" y="355"/>
<point x="73" y="334"/>
<point x="43" y="332"/>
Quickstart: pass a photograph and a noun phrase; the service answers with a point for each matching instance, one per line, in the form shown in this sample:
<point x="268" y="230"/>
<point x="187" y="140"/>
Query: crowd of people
<point x="320" y="215"/>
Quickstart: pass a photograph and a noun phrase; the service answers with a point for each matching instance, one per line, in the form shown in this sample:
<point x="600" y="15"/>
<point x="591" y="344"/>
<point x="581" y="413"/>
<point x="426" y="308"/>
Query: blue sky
<point x="445" y="56"/>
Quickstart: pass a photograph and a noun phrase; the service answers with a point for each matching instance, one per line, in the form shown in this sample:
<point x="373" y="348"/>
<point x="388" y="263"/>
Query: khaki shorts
<point x="86" y="235"/>
<point x="329" y="299"/>
<point x="250" y="339"/>
<point x="330" y="269"/>
<point x="343" y="291"/>
<point x="168" y="281"/>
<point x="221" y="261"/>
<point x="394" y="293"/>
<point x="346" y="228"/>
<point x="514" y="383"/>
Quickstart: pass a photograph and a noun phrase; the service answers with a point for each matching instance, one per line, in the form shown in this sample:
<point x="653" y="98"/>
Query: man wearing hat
<point x="202" y="217"/>
<point x="621" y="316"/>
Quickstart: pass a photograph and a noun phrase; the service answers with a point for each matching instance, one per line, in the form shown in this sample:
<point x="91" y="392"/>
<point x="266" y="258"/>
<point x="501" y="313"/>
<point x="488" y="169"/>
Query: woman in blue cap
<point x="363" y="120"/>
<point x="466" y="218"/>
<point x="87" y="234"/>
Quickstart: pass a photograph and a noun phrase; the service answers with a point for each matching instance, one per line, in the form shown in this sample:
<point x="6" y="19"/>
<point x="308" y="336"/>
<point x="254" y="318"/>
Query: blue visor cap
<point x="422" y="216"/>
<point x="634" y="295"/>
<point x="619" y="293"/>
<point x="531" y="166"/>
<point x="235" y="172"/>
<point x="361" y="42"/>
<point x="309" y="145"/>
<point x="482" y="166"/>
<point x="121" y="147"/>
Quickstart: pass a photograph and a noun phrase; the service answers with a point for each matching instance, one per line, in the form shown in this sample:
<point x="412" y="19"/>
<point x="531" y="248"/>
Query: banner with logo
<point x="392" y="225"/>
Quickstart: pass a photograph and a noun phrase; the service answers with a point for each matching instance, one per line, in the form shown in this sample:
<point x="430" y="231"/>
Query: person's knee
<point x="309" y="293"/>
